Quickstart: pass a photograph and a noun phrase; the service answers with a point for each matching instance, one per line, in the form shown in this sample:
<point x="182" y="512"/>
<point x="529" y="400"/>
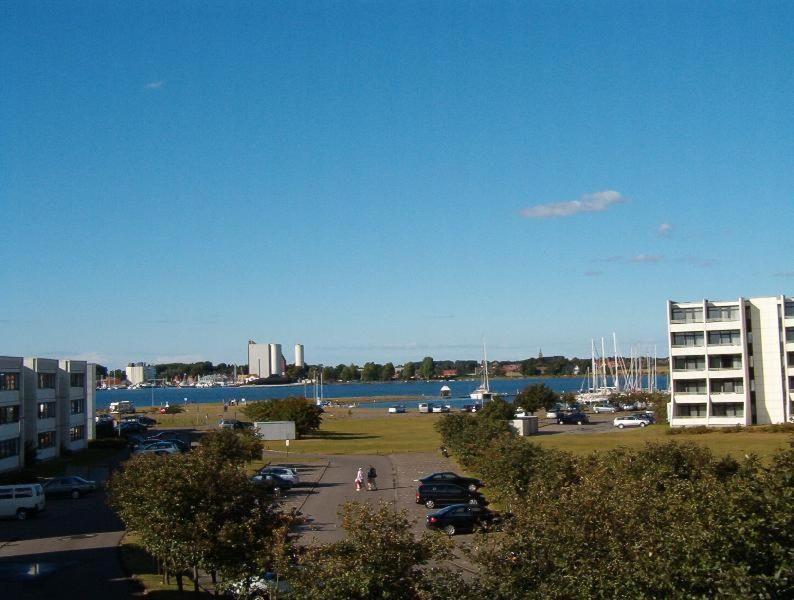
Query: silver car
<point x="630" y="421"/>
<point x="74" y="487"/>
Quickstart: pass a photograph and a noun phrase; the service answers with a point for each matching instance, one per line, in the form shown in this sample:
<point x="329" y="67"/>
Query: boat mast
<point x="485" y="365"/>
<point x="593" y="372"/>
<point x="604" y="363"/>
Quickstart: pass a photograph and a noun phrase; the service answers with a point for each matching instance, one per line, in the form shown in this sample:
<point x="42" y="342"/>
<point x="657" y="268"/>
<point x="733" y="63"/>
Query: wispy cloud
<point x="665" y="229"/>
<point x="646" y="258"/>
<point x="607" y="259"/>
<point x="593" y="273"/>
<point x="154" y="85"/>
<point x="596" y="202"/>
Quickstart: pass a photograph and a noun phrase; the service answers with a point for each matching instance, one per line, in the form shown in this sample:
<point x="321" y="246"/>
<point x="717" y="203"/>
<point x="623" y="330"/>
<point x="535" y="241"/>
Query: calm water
<point x="414" y="392"/>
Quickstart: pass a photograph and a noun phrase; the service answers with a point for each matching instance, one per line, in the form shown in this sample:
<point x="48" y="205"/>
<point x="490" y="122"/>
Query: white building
<point x="140" y="373"/>
<point x="299" y="355"/>
<point x="265" y="360"/>
<point x="45" y="404"/>
<point x="731" y="362"/>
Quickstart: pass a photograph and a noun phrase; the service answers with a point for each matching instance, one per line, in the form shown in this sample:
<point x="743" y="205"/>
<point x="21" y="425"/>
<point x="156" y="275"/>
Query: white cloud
<point x="646" y="258"/>
<point x="665" y="229"/>
<point x="154" y="85"/>
<point x="596" y="202"/>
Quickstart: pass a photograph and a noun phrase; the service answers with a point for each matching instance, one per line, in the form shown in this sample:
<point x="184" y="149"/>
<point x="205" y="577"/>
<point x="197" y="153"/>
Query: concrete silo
<point x="299" y="355"/>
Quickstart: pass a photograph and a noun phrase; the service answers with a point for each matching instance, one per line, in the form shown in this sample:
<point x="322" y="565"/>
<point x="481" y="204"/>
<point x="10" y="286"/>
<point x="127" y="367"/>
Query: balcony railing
<point x="686" y="321"/>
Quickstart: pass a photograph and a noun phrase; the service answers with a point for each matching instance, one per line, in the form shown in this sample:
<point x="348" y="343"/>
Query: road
<point x="67" y="551"/>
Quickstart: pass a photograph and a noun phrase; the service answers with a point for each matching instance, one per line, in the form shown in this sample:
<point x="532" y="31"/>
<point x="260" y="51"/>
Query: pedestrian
<point x="225" y="406"/>
<point x="359" y="479"/>
<point x="372" y="474"/>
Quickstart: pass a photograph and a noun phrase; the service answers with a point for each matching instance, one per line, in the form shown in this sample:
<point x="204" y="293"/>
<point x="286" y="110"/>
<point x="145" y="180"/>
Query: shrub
<point x="305" y="413"/>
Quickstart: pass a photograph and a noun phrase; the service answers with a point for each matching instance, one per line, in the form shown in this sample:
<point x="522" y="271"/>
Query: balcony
<point x="690" y="397"/>
<point x="728" y="397"/>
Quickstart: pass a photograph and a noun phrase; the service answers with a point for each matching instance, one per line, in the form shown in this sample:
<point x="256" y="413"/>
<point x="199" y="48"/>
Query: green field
<point x="736" y="443"/>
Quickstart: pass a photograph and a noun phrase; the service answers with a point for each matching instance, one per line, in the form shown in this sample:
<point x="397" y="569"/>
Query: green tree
<point x="306" y="415"/>
<point x="467" y="436"/>
<point x="428" y="368"/>
<point x="329" y="374"/>
<point x="379" y="557"/>
<point x="409" y="370"/>
<point x="536" y="396"/>
<point x="370" y="372"/>
<point x="349" y="373"/>
<point x="227" y="445"/>
<point x="387" y="372"/>
<point x="497" y="408"/>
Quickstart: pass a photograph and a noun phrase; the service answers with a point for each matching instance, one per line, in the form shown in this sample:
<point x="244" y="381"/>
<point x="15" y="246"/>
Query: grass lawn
<point x="738" y="444"/>
<point x="365" y="434"/>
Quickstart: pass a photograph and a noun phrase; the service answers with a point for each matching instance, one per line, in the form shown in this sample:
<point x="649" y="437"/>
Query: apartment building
<point x="731" y="362"/>
<point x="140" y="372"/>
<point x="46" y="405"/>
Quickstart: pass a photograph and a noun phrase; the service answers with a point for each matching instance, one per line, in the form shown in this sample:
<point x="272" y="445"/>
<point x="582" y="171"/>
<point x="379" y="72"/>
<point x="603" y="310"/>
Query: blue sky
<point x="382" y="181"/>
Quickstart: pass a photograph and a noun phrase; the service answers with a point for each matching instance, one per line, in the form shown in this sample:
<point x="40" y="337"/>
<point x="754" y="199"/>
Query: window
<point x="728" y="337"/>
<point x="6" y="493"/>
<point x="9" y="414"/>
<point x="25" y="492"/>
<point x="790" y="359"/>
<point x="689" y="363"/>
<point x="727" y="410"/>
<point x="789" y="335"/>
<point x="46" y="410"/>
<point x="77" y="406"/>
<point x="77" y="380"/>
<point x="789" y="311"/>
<point x="46" y="381"/>
<point x="722" y="313"/>
<point x="9" y="382"/>
<point x="77" y="433"/>
<point x="727" y="386"/>
<point x="690" y="410"/>
<point x="696" y="386"/>
<point x="681" y="340"/>
<point x="46" y="440"/>
<point x="686" y="315"/>
<point x="725" y="361"/>
<point x="9" y="448"/>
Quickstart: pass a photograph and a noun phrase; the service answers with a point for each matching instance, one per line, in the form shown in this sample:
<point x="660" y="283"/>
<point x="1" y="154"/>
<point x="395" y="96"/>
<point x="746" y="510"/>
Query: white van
<point x="121" y="407"/>
<point x="425" y="407"/>
<point x="21" y="500"/>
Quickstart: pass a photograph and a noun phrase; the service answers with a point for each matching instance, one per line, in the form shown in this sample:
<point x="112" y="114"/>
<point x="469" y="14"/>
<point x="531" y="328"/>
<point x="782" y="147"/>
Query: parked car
<point x="554" y="413"/>
<point x="462" y="518"/>
<point x="425" y="407"/>
<point x="183" y="446"/>
<point x="161" y="447"/>
<point x="399" y="409"/>
<point x="287" y="473"/>
<point x="104" y="418"/>
<point x="604" y="408"/>
<point x="470" y="408"/>
<point x="234" y="424"/>
<point x="577" y="418"/>
<point x="445" y="408"/>
<point x="628" y="406"/>
<point x="470" y="483"/>
<point x="21" y="500"/>
<point x="442" y="494"/>
<point x="126" y="427"/>
<point x="163" y="435"/>
<point x="264" y="586"/>
<point x="74" y="487"/>
<point x="272" y="482"/>
<point x="630" y="421"/>
<point x="121" y="407"/>
<point x="141" y="419"/>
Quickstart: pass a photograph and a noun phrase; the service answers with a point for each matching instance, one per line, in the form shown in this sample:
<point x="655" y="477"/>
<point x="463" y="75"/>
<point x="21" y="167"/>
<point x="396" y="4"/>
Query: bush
<point x="305" y="413"/>
<point x="173" y="409"/>
<point x="108" y="442"/>
<point x="229" y="445"/>
<point x="467" y="436"/>
<point x="498" y="408"/>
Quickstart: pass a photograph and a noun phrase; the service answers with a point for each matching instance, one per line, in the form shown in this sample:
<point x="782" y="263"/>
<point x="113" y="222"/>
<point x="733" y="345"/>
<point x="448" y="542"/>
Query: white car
<point x="287" y="473"/>
<point x="604" y="408"/>
<point x="161" y="448"/>
<point x="630" y="421"/>
<point x="21" y="500"/>
<point x="441" y="409"/>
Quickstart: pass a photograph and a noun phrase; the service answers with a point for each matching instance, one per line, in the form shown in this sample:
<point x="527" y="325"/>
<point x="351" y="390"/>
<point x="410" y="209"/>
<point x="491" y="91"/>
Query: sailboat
<point x="484" y="391"/>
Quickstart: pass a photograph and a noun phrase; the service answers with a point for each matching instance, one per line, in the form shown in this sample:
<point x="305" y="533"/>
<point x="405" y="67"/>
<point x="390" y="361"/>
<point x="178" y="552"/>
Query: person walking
<point x="359" y="479"/>
<point x="372" y="474"/>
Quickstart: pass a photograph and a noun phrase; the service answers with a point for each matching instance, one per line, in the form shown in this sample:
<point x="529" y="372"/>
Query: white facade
<point x="275" y="359"/>
<point x="140" y="372"/>
<point x="265" y="360"/>
<point x="299" y="355"/>
<point x="731" y="362"/>
<point x="45" y="404"/>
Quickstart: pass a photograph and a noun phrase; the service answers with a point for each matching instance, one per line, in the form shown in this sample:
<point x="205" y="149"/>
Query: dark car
<point x="183" y="446"/>
<point x="74" y="487"/>
<point x="462" y="518"/>
<point x="442" y="494"/>
<point x="141" y="419"/>
<point x="272" y="483"/>
<point x="576" y="418"/>
<point x="469" y="483"/>
<point x="163" y="435"/>
<point x="125" y="427"/>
